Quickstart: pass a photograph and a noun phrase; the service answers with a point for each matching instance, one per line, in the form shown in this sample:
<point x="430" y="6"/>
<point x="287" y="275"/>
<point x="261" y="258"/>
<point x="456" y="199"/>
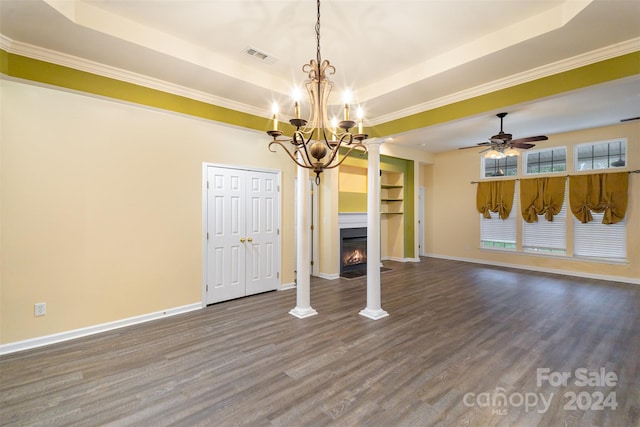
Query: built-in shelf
<point x="391" y="193"/>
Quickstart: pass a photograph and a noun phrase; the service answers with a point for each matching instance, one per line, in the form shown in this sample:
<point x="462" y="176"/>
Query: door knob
<point x="242" y="240"/>
<point x="249" y="239"/>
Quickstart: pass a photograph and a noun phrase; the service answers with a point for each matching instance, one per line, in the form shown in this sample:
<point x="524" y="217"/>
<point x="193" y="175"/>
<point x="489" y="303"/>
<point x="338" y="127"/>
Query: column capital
<point x="373" y="142"/>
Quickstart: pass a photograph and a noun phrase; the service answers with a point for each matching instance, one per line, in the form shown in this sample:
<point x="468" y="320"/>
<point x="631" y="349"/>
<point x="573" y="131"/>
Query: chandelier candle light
<point x="316" y="142"/>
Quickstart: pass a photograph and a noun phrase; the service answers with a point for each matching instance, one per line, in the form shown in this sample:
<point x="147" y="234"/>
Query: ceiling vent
<point x="260" y="55"/>
<point x="630" y="119"/>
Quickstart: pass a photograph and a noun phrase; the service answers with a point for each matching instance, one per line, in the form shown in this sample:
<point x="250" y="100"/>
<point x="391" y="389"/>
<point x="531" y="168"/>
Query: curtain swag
<point x="605" y="192"/>
<point x="541" y="196"/>
<point x="495" y="196"/>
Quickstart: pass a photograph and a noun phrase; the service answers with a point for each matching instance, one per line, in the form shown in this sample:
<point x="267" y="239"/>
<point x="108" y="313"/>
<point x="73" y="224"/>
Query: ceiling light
<point x="510" y="152"/>
<point x="316" y="142"/>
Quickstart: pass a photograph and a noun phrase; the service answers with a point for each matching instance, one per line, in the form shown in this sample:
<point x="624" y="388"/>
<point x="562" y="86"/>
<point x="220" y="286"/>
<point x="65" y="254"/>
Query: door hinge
<point x="278" y="275"/>
<point x="207" y="185"/>
<point x="278" y="188"/>
<point x="207" y="235"/>
<point x="311" y="226"/>
<point x="311" y="262"/>
<point x="207" y="288"/>
<point x="278" y="231"/>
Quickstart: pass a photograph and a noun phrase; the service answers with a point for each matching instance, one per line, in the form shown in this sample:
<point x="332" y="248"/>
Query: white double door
<point x="242" y="220"/>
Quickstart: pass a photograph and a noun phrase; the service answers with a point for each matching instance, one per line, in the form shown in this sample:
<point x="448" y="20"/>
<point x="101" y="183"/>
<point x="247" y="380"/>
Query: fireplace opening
<point x="353" y="251"/>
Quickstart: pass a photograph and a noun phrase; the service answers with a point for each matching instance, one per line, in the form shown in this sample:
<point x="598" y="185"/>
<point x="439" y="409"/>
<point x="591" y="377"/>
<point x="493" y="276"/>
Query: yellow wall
<point x="101" y="206"/>
<point x="452" y="222"/>
<point x="352" y="189"/>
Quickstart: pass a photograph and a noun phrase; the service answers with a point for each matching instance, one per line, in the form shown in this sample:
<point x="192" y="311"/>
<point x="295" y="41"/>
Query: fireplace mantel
<point x="352" y="219"/>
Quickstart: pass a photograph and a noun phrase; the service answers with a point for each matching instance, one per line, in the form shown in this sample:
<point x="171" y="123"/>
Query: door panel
<point x="262" y="215"/>
<point x="242" y="224"/>
<point x="225" y="252"/>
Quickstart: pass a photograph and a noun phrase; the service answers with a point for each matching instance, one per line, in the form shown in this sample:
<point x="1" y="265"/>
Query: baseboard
<point x="329" y="276"/>
<point x="403" y="259"/>
<point x="91" y="330"/>
<point x="541" y="269"/>
<point x="287" y="286"/>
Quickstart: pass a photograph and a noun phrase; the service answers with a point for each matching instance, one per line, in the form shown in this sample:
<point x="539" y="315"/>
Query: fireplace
<point x="353" y="251"/>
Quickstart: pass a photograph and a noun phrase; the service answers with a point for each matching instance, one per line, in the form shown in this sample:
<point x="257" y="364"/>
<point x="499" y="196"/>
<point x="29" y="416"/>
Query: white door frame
<point x="315" y="221"/>
<point x="421" y="251"/>
<point x="206" y="165"/>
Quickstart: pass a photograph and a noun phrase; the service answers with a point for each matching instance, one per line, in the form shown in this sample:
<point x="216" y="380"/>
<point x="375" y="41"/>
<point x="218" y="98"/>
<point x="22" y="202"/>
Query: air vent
<point x="630" y="119"/>
<point x="260" y="55"/>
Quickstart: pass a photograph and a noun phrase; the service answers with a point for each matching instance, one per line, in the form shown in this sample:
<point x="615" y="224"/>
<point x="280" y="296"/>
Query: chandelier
<point x="316" y="141"/>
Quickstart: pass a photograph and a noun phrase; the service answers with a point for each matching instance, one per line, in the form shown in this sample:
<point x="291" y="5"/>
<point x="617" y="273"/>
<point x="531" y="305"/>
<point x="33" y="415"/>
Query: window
<point x="597" y="240"/>
<point x="496" y="233"/>
<point x="507" y="166"/>
<point x="544" y="236"/>
<point x="601" y="155"/>
<point x="545" y="161"/>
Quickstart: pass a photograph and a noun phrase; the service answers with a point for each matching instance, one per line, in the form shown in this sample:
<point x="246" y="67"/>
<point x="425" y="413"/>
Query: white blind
<point x="498" y="230"/>
<point x="598" y="240"/>
<point x="546" y="236"/>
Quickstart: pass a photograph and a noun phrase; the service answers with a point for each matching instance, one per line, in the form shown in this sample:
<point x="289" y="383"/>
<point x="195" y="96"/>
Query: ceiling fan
<point x="502" y="144"/>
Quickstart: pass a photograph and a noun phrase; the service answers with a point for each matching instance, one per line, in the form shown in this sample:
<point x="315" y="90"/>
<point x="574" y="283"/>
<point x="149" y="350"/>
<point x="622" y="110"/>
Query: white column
<point x="303" y="260"/>
<point x="373" y="310"/>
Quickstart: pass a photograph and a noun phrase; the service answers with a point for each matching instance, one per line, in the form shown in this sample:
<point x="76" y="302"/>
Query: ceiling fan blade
<point x="522" y="145"/>
<point x="531" y="139"/>
<point x="481" y="144"/>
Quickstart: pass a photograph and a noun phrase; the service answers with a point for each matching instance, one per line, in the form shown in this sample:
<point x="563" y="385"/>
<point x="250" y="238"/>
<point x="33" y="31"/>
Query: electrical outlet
<point x="40" y="309"/>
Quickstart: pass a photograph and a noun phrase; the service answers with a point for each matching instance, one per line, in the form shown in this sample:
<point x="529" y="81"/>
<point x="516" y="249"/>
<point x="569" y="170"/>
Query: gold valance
<point x="604" y="192"/>
<point x="541" y="196"/>
<point x="495" y="196"/>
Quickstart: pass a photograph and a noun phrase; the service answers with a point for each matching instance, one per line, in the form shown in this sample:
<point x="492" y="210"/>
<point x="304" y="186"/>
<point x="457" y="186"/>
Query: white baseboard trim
<point x="329" y="276"/>
<point x="541" y="269"/>
<point x="95" y="329"/>
<point x="403" y="259"/>
<point x="287" y="286"/>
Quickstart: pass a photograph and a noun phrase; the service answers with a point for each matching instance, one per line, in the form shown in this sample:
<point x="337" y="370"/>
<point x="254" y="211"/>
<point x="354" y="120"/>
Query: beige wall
<point x="453" y="228"/>
<point x="101" y="207"/>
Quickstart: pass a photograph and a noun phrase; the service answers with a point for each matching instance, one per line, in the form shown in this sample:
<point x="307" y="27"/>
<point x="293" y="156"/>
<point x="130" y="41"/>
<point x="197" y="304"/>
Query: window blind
<point x="547" y="236"/>
<point x="597" y="240"/>
<point x="498" y="233"/>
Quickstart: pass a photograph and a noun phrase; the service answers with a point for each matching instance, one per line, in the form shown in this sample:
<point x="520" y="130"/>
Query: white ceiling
<point x="397" y="57"/>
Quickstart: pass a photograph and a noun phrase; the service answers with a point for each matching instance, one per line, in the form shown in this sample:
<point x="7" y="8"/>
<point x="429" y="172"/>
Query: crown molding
<point x="70" y="61"/>
<point x="81" y="64"/>
<point x="609" y="52"/>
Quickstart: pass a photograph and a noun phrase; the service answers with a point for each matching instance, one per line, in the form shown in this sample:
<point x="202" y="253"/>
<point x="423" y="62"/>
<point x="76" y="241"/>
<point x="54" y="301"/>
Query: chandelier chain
<point x="318" y="34"/>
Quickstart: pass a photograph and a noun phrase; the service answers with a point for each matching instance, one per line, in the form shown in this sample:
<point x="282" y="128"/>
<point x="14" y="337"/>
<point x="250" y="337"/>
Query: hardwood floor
<point x="463" y="345"/>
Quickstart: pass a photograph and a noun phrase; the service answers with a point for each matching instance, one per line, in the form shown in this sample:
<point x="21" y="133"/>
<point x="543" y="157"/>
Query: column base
<point x="301" y="313"/>
<point x="373" y="314"/>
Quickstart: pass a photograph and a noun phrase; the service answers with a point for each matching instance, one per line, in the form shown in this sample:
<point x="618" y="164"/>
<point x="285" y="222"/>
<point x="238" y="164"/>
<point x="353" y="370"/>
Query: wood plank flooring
<point x="462" y="347"/>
